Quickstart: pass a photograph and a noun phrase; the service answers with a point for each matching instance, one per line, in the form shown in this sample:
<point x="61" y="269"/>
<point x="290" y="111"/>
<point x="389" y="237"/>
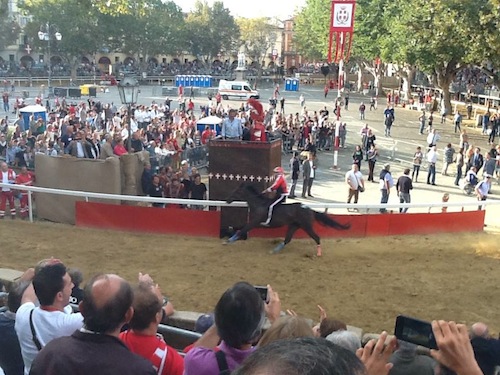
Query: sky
<point x="282" y="9"/>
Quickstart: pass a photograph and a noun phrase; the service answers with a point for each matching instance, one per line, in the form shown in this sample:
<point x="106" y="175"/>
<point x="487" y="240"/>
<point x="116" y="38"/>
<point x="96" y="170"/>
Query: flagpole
<point x="337" y="109"/>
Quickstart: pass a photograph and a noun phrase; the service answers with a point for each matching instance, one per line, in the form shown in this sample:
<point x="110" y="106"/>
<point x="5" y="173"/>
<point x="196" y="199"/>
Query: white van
<point x="237" y="90"/>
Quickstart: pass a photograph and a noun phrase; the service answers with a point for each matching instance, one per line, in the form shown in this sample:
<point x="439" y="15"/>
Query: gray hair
<point x="302" y="356"/>
<point x="345" y="339"/>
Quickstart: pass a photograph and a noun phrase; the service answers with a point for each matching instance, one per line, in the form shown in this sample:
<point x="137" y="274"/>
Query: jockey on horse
<point x="281" y="189"/>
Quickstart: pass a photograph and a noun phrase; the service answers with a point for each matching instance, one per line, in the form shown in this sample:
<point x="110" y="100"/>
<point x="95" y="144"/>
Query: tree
<point x="76" y="20"/>
<point x="120" y="7"/>
<point x="9" y="28"/>
<point x="442" y="35"/>
<point x="157" y="28"/>
<point x="312" y="32"/>
<point x="371" y="27"/>
<point x="311" y="29"/>
<point x="211" y="29"/>
<point x="258" y="35"/>
<point x="489" y="38"/>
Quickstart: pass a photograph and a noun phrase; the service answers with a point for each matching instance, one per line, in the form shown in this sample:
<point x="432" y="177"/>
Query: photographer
<point x="239" y="317"/>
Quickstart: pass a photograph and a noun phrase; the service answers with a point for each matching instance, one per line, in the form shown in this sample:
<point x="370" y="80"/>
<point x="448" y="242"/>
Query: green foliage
<point x="370" y="28"/>
<point x="211" y="29"/>
<point x="158" y="28"/>
<point x="258" y="35"/>
<point x="311" y="29"/>
<point x="120" y="7"/>
<point x="9" y="29"/>
<point x="76" y="20"/>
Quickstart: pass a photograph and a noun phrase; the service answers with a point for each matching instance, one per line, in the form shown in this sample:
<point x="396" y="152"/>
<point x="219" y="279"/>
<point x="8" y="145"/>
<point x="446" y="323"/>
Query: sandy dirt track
<point x="365" y="282"/>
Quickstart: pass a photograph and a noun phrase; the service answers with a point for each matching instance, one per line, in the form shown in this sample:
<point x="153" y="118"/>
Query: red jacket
<point x="280" y="185"/>
<point x="25" y="179"/>
<point x="258" y="133"/>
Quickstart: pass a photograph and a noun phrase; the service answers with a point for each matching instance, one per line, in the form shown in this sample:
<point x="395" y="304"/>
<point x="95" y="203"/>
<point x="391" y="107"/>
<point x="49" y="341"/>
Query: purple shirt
<point x="202" y="361"/>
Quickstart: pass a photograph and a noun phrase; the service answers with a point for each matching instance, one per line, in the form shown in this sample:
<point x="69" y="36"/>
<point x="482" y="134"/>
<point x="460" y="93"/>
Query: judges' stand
<point x="234" y="162"/>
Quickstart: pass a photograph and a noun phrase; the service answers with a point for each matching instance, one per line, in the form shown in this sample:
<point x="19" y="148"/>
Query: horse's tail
<point x="329" y="222"/>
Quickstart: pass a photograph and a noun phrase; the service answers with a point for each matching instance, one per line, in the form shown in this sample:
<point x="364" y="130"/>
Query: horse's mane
<point x="253" y="190"/>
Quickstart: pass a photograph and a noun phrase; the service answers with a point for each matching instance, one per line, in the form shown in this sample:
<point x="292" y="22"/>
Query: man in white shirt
<point x="432" y="157"/>
<point x="433" y="137"/>
<point x="37" y="326"/>
<point x="482" y="189"/>
<point x="6" y="193"/>
<point x="355" y="182"/>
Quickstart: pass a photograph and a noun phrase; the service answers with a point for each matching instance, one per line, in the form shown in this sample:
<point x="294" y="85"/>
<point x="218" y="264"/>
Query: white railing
<point x="321" y="205"/>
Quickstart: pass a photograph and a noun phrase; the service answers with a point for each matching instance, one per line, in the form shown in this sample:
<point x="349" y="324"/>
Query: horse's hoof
<point x="232" y="239"/>
<point x="318" y="252"/>
<point x="278" y="248"/>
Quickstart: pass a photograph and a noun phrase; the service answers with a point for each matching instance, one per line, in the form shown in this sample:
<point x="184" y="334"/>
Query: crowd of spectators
<point x="473" y="81"/>
<point x="173" y="141"/>
<point x="152" y="68"/>
<point x="95" y="130"/>
<point x="115" y="331"/>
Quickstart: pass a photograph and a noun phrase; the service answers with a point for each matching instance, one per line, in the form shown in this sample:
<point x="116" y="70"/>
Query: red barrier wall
<point x="207" y="223"/>
<point x="391" y="225"/>
<point x="148" y="219"/>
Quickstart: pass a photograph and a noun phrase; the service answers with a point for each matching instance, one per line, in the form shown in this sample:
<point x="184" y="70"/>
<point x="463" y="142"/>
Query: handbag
<point x="360" y="188"/>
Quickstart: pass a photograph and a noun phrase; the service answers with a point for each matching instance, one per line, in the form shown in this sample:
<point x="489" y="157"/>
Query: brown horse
<point x="293" y="215"/>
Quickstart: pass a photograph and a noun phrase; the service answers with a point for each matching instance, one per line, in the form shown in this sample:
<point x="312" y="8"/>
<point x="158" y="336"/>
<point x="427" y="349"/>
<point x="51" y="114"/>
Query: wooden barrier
<point x="207" y="223"/>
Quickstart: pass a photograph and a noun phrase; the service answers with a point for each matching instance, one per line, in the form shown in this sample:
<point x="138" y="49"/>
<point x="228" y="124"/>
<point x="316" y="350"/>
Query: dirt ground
<point x="365" y="282"/>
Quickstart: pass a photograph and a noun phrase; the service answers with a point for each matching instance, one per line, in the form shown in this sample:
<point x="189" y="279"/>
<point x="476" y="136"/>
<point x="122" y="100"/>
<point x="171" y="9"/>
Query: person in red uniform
<point x="258" y="131"/>
<point x="281" y="189"/>
<point x="8" y="176"/>
<point x="25" y="178"/>
<point x="142" y="337"/>
<point x="190" y="106"/>
<point x="206" y="135"/>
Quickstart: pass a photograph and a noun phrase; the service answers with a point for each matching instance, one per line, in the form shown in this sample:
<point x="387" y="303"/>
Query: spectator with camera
<point x="239" y="317"/>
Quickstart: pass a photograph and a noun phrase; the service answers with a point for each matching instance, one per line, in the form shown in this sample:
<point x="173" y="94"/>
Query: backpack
<point x="383" y="173"/>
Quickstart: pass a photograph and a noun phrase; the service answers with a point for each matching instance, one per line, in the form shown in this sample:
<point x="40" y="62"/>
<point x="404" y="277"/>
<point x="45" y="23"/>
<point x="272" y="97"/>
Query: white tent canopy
<point x="35" y="108"/>
<point x="210" y="120"/>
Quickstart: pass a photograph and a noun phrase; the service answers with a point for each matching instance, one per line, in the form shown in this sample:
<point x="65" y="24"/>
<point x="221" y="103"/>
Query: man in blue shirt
<point x="231" y="127"/>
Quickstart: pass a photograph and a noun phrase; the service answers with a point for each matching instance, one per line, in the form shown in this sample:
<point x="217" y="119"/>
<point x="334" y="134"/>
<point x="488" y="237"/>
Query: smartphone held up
<point x="416" y="331"/>
<point x="262" y="290"/>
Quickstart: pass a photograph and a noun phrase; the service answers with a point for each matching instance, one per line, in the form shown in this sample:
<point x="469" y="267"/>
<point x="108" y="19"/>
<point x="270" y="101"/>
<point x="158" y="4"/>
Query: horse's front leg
<point x="243" y="231"/>
<point x="292" y="228"/>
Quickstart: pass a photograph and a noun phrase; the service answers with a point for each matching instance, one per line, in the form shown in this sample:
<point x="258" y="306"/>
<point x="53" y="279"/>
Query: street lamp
<point x="128" y="88"/>
<point x="46" y="36"/>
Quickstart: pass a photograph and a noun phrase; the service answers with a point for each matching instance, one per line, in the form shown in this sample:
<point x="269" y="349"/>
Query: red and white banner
<point x="342" y="16"/>
<point x="341" y="29"/>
